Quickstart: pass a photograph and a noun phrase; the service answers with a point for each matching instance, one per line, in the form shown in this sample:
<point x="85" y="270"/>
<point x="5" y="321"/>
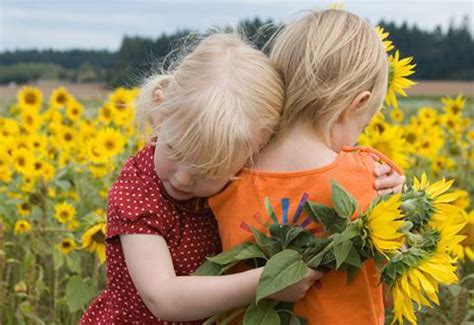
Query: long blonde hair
<point x="326" y="59"/>
<point x="221" y="105"/>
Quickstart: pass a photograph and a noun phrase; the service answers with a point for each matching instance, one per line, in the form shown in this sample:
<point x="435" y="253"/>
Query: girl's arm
<point x="185" y="298"/>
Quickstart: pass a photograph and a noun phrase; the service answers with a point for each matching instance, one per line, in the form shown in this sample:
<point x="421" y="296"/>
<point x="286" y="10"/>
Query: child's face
<point x="179" y="182"/>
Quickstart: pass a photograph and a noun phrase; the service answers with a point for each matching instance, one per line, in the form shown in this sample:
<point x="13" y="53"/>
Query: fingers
<point x="314" y="275"/>
<point x="382" y="169"/>
<point x="392" y="181"/>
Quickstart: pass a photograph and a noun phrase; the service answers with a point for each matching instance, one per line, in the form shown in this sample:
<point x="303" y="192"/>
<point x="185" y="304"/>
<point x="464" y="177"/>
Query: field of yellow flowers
<point x="58" y="158"/>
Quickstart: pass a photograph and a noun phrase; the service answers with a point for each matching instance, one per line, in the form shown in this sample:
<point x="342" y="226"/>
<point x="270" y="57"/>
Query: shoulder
<point x="368" y="156"/>
<point x="136" y="195"/>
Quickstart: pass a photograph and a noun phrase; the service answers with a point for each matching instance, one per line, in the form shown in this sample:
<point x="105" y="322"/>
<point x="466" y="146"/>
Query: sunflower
<point x="390" y="142"/>
<point x="454" y="106"/>
<point x="441" y="163"/>
<point x="9" y="127"/>
<point x="30" y="98"/>
<point x="101" y="170"/>
<point x="451" y="122"/>
<point x="66" y="246"/>
<point x="419" y="282"/>
<point x="399" y="70"/>
<point x="106" y="113"/>
<point x="48" y="172"/>
<point x="73" y="225"/>
<point x="94" y="240"/>
<point x="28" y="183"/>
<point x="396" y="115"/>
<point x="427" y="115"/>
<point x="23" y="161"/>
<point x="463" y="201"/>
<point x="111" y="142"/>
<point x="60" y="98"/>
<point x="74" y="110"/>
<point x="66" y="137"/>
<point x="23" y="209"/>
<point x="467" y="245"/>
<point x="435" y="203"/>
<point x="64" y="212"/>
<point x="22" y="226"/>
<point x="38" y="143"/>
<point x="387" y="44"/>
<point x="31" y="121"/>
<point x="382" y="223"/>
<point x="121" y="99"/>
<point x="6" y="162"/>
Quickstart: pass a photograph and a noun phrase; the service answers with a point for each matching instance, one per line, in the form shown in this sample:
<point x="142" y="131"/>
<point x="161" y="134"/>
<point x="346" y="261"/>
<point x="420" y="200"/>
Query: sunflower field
<point x="59" y="156"/>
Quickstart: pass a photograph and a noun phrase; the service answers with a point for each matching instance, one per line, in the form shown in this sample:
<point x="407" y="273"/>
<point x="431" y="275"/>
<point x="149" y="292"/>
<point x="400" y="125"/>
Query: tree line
<point x="442" y="55"/>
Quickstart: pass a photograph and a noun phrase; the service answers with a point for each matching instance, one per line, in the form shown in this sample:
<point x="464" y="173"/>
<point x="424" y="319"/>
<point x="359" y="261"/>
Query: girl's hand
<point x="387" y="180"/>
<point x="298" y="290"/>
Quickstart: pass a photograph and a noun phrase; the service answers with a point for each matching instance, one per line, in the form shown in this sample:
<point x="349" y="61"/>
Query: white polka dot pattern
<point x="138" y="204"/>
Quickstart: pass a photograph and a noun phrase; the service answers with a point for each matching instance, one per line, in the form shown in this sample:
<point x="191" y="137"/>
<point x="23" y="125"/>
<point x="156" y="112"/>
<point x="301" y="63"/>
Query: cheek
<point x="163" y="167"/>
<point x="205" y="190"/>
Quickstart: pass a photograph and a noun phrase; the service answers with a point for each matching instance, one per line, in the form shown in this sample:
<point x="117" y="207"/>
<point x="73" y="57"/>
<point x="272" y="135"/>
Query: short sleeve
<point x="135" y="207"/>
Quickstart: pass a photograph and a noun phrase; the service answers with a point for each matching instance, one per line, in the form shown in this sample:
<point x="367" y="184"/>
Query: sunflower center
<point x="68" y="137"/>
<point x="61" y="99"/>
<point x="21" y="161"/>
<point x="411" y="138"/>
<point x="64" y="214"/>
<point x="38" y="165"/>
<point x="29" y="120"/>
<point x="110" y="145"/>
<point x="99" y="237"/>
<point x="30" y="98"/>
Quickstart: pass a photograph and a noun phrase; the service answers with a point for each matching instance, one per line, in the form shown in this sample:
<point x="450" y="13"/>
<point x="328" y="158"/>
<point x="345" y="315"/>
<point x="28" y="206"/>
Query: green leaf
<point x="211" y="268"/>
<point x="73" y="263"/>
<point x="262" y="313"/>
<point x="344" y="204"/>
<point x="351" y="273"/>
<point x="353" y="258"/>
<point x="281" y="271"/>
<point x="238" y="253"/>
<point x="341" y="251"/>
<point x="58" y="259"/>
<point x="268" y="245"/>
<point x="285" y="234"/>
<point x="78" y="293"/>
<point x="228" y="256"/>
<point x="62" y="184"/>
<point x="327" y="217"/>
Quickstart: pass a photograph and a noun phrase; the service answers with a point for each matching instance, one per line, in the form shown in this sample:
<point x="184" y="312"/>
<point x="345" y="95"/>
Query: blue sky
<point x="101" y="24"/>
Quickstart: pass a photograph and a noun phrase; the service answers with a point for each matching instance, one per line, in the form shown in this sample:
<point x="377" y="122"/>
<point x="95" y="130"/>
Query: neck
<point x="297" y="148"/>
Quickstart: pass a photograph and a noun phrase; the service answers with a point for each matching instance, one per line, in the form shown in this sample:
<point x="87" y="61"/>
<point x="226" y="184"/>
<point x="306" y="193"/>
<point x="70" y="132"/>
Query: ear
<point x="158" y="96"/>
<point x="356" y="106"/>
<point x="359" y="102"/>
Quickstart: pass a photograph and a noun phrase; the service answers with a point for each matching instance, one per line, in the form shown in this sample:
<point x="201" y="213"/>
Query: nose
<point x="184" y="178"/>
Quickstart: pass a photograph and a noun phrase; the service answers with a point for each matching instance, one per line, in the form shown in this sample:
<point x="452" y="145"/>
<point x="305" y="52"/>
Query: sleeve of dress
<point x="134" y="206"/>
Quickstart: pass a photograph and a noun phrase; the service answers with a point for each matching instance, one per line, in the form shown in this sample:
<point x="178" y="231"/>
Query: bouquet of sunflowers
<point x="411" y="236"/>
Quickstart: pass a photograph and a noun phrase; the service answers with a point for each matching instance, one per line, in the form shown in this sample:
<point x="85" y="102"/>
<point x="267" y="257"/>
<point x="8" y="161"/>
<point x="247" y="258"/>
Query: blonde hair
<point x="326" y="59"/>
<point x="221" y="104"/>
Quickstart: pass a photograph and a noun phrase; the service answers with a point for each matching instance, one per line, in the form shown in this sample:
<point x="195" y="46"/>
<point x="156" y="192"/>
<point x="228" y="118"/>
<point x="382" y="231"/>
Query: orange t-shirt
<point x="336" y="301"/>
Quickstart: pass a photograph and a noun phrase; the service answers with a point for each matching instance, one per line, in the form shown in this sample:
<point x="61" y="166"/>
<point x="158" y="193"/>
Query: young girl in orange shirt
<point x="334" y="68"/>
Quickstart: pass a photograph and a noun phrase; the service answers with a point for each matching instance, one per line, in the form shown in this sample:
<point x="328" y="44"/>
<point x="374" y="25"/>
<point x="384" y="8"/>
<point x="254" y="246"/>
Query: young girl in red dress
<point x="214" y="112"/>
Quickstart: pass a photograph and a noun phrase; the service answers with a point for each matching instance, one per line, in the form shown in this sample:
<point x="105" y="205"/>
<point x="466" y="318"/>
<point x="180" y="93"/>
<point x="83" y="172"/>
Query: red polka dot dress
<point x="138" y="204"/>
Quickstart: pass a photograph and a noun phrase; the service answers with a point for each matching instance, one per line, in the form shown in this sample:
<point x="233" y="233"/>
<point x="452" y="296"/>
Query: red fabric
<point x="138" y="204"/>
